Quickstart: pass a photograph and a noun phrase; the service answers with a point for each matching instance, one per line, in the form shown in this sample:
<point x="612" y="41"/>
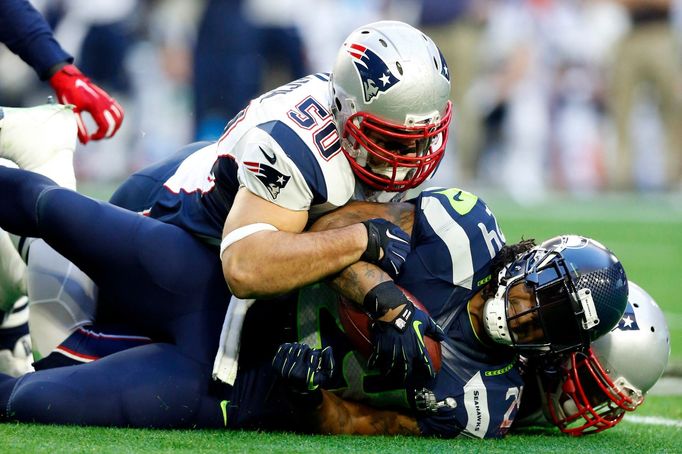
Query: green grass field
<point x="644" y="231"/>
<point x="639" y="438"/>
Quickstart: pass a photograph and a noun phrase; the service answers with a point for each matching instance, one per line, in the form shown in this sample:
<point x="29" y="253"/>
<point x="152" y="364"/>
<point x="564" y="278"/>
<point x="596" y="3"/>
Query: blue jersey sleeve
<point x="26" y="33"/>
<point x="455" y="238"/>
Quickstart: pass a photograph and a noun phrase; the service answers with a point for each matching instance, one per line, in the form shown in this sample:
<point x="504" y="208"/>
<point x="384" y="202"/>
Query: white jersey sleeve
<point x="268" y="172"/>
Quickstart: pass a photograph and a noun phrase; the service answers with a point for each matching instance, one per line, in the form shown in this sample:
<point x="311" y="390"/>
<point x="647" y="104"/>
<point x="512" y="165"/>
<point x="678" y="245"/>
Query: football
<point x="356" y="322"/>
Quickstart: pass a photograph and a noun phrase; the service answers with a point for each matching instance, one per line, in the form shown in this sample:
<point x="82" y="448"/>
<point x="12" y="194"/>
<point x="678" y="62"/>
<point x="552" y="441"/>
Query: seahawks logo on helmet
<point x="373" y="71"/>
<point x="272" y="178"/>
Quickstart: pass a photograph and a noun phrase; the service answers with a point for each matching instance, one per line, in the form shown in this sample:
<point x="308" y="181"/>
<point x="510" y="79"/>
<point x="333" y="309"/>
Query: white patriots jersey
<point x="291" y="130"/>
<point x="284" y="147"/>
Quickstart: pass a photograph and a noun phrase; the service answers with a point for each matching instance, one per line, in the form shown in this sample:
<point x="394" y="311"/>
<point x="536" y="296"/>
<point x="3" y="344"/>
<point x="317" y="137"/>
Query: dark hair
<point x="507" y="254"/>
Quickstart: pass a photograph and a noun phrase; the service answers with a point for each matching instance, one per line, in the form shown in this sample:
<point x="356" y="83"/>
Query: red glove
<point x="72" y="87"/>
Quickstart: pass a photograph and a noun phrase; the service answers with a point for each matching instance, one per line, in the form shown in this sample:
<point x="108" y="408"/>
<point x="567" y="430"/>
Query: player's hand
<point x="302" y="367"/>
<point x="72" y="87"/>
<point x="387" y="245"/>
<point x="399" y="348"/>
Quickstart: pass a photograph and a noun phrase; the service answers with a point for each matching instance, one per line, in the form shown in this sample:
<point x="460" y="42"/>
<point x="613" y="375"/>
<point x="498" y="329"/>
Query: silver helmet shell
<point x="390" y="86"/>
<point x="598" y="386"/>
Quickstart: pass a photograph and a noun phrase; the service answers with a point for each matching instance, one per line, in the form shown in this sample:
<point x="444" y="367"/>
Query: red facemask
<point x="589" y="401"/>
<point x="406" y="155"/>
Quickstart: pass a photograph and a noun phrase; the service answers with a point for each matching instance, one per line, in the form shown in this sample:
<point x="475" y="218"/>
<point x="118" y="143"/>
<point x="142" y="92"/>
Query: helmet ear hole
<point x="337" y="101"/>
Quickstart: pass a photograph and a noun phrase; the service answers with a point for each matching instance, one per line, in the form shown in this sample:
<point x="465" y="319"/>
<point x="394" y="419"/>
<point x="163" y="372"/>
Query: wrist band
<point x="382" y="298"/>
<point x="242" y="232"/>
<point x="372" y="251"/>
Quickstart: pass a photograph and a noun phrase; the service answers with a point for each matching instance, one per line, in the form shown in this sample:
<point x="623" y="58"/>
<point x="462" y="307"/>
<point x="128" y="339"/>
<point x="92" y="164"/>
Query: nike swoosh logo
<point x="415" y="326"/>
<point x="271" y="158"/>
<point x="311" y="381"/>
<point x="393" y="237"/>
<point x="223" y="408"/>
<point x="458" y="197"/>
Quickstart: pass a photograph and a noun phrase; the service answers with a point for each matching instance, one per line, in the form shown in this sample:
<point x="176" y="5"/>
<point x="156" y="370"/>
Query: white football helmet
<point x="595" y="388"/>
<point x="390" y="91"/>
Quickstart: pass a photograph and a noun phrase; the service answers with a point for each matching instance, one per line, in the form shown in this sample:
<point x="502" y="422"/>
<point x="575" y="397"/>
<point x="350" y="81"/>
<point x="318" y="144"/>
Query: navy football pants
<point x="156" y="278"/>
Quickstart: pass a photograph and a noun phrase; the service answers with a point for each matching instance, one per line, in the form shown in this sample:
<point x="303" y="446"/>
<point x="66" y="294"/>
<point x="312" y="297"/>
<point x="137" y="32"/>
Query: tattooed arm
<point x="401" y="214"/>
<point x="338" y="416"/>
<point x="355" y="281"/>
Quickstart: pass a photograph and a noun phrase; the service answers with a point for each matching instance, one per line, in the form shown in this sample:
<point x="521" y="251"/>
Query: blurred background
<point x="578" y="96"/>
<point x="568" y="113"/>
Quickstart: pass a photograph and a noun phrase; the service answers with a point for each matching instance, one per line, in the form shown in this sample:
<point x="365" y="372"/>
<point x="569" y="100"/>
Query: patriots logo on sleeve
<point x="373" y="71"/>
<point x="272" y="178"/>
<point x="628" y="321"/>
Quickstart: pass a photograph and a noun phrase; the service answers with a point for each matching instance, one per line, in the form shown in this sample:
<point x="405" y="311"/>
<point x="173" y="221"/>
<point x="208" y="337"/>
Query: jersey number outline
<point x="514" y="393"/>
<point x="494" y="239"/>
<point x="310" y="114"/>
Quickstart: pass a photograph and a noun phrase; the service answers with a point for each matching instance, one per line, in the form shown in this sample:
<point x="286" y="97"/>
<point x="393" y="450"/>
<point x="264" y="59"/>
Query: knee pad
<point x="62" y="298"/>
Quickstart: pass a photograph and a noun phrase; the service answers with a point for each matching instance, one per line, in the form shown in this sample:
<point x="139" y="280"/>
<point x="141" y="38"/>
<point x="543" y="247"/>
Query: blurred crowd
<point x="581" y="96"/>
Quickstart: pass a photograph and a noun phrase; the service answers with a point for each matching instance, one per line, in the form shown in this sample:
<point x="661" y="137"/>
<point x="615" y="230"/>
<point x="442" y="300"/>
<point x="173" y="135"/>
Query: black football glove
<point x="399" y="348"/>
<point x="385" y="236"/>
<point x="303" y="368"/>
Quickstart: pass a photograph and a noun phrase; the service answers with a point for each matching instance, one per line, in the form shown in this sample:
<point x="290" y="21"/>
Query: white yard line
<point x="653" y="420"/>
<point x="666" y="386"/>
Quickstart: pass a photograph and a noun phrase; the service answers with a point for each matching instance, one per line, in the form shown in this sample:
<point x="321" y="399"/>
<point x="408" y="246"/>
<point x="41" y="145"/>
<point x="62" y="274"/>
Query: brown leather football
<point x="356" y="322"/>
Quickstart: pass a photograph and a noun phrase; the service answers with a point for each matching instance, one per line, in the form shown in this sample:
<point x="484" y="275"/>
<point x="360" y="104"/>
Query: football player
<point x="175" y="295"/>
<point x="27" y="34"/>
<point x="373" y="128"/>
<point x="376" y="126"/>
<point x="541" y="301"/>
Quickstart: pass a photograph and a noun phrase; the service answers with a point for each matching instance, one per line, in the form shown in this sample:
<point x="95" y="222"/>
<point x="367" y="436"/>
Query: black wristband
<point x="373" y="250"/>
<point x="382" y="298"/>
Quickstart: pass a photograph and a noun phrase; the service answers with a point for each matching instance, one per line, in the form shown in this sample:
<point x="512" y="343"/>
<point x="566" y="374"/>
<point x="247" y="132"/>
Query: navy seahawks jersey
<point x="478" y="389"/>
<point x="284" y="147"/>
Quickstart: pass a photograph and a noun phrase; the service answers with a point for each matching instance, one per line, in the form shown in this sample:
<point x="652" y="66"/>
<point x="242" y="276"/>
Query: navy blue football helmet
<point x="577" y="292"/>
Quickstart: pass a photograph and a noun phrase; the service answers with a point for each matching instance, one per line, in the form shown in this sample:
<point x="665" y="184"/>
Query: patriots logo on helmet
<point x="444" y="70"/>
<point x="272" y="178"/>
<point x="374" y="72"/>
<point x="628" y="321"/>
